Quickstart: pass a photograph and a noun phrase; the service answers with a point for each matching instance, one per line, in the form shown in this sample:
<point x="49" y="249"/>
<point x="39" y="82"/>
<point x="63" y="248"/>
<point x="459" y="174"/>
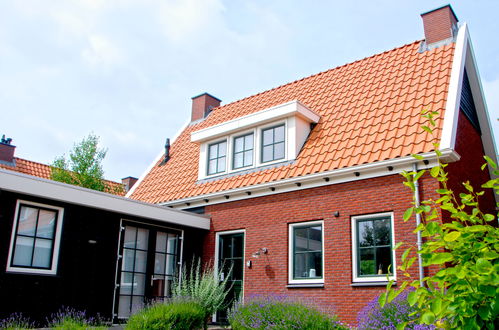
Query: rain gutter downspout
<point x="418" y="222"/>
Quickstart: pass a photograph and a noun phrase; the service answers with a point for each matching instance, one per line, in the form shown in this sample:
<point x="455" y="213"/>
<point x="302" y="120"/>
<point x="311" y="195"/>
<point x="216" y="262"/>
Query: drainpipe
<point x="418" y="222"/>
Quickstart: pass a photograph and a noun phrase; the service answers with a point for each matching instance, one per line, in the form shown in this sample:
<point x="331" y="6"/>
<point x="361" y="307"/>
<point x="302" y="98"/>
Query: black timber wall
<point x="86" y="272"/>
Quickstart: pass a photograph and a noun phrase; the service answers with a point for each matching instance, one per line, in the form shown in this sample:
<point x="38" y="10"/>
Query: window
<point x="35" y="238"/>
<point x="373" y="255"/>
<point x="306" y="258"/>
<point x="273" y="145"/>
<point x="217" y="157"/>
<point x="243" y="151"/>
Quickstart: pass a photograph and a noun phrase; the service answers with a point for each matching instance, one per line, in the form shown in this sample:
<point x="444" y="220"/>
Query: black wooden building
<point x="62" y="245"/>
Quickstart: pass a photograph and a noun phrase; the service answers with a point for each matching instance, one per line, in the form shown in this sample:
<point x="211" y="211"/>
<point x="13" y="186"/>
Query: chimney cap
<point x="205" y="93"/>
<point x="130" y="177"/>
<point x="439" y="8"/>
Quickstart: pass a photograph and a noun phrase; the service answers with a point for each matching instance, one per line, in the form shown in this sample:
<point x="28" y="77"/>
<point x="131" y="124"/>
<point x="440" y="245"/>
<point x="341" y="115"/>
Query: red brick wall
<point x="266" y="222"/>
<point x="200" y="105"/>
<point x="438" y="24"/>
<point x="469" y="147"/>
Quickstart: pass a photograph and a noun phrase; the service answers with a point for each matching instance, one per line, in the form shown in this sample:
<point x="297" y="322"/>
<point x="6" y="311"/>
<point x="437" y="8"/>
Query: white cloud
<point x="102" y="52"/>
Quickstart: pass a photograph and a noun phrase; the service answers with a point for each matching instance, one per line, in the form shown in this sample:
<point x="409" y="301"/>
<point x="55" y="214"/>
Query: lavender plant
<point x="68" y="318"/>
<point x="17" y="321"/>
<point x="280" y="313"/>
<point x="391" y="315"/>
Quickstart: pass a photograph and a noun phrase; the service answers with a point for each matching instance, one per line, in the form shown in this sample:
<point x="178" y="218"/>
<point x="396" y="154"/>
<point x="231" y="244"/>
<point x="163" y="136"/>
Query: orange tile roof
<point x="370" y="111"/>
<point x="44" y="171"/>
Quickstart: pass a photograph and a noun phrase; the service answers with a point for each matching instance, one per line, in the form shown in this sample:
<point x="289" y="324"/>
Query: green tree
<point x="464" y="294"/>
<point x="83" y="167"/>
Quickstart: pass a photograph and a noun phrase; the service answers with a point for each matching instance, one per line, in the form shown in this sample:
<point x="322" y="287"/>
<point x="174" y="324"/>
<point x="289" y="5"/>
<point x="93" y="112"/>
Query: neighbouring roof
<point x="43" y="171"/>
<point x="370" y="110"/>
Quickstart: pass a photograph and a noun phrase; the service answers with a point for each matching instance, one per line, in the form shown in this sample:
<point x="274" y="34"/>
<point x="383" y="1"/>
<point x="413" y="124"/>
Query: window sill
<point x="305" y="285"/>
<point x="360" y="284"/>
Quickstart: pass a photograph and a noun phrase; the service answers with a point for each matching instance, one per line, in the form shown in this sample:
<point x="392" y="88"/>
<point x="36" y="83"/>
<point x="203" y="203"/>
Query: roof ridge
<point x="317" y="74"/>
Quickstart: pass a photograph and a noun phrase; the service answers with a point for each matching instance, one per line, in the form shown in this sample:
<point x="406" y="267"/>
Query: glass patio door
<point x="149" y="259"/>
<point x="231" y="255"/>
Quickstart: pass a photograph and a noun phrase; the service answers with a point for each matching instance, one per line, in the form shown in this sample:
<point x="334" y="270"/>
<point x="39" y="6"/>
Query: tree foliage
<point x="464" y="294"/>
<point x="83" y="167"/>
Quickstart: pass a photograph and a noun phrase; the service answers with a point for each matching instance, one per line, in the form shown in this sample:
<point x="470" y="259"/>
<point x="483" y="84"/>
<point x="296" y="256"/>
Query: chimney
<point x="7" y="150"/>
<point x="439" y="25"/>
<point x="202" y="105"/>
<point x="128" y="182"/>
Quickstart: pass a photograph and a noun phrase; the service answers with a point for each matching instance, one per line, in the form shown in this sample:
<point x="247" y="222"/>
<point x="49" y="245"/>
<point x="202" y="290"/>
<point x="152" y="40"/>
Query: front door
<point x="231" y="255"/>
<point x="148" y="261"/>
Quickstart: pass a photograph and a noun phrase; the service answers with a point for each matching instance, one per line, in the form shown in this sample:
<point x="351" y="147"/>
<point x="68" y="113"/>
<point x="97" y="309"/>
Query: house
<point x="63" y="245"/>
<point x="302" y="182"/>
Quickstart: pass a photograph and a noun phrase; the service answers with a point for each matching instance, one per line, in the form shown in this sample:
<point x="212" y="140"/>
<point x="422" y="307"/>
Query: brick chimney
<point x="7" y="150"/>
<point x="128" y="182"/>
<point x="439" y="24"/>
<point x="202" y="105"/>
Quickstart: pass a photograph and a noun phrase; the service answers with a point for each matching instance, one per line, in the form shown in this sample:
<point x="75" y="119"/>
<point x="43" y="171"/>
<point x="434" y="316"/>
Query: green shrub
<point x="280" y="313"/>
<point x="174" y="315"/>
<point x="16" y="321"/>
<point x="203" y="287"/>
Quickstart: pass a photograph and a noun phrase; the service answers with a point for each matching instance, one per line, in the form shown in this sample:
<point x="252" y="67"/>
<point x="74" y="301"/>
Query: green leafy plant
<point x="17" y="321"/>
<point x="280" y="313"/>
<point x="83" y="167"/>
<point x="464" y="294"/>
<point x="202" y="286"/>
<point x="71" y="319"/>
<point x="176" y="315"/>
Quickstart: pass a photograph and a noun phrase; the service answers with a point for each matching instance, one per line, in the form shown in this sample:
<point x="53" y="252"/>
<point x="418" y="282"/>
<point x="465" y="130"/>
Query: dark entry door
<point x="231" y="255"/>
<point x="148" y="261"/>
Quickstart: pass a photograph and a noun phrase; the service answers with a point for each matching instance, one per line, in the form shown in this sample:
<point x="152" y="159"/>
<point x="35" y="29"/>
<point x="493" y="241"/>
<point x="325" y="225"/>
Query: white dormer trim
<point x="289" y="109"/>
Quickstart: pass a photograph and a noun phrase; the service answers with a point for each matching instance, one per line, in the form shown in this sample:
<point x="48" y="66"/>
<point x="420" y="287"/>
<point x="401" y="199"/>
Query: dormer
<point x="266" y="137"/>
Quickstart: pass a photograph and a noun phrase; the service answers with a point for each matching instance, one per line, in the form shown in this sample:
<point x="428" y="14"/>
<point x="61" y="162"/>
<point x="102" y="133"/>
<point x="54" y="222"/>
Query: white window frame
<point x="232" y="139"/>
<point x="260" y="142"/>
<point x="57" y="240"/>
<point x="365" y="279"/>
<point x="291" y="227"/>
<point x="227" y="154"/>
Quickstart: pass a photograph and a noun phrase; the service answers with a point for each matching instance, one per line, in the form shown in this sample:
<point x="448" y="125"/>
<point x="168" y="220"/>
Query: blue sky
<point x="126" y="70"/>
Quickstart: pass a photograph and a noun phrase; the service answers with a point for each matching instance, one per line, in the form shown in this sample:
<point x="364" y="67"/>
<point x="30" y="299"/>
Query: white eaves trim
<point x="289" y="109"/>
<point x="365" y="171"/>
<point x="34" y="186"/>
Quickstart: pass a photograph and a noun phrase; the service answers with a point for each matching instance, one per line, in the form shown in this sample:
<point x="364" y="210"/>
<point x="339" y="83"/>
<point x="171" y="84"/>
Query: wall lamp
<point x="259" y="252"/>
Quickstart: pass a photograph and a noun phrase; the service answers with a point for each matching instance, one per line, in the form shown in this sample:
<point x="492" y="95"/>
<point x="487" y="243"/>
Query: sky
<point x="125" y="70"/>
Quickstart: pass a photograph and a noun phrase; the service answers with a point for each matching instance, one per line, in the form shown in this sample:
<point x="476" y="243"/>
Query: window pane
<point x="237" y="251"/>
<point x="130" y="233"/>
<point x="126" y="283"/>
<point x="128" y="257"/>
<point x="279" y="150"/>
<point x="367" y="266"/>
<point x="159" y="263"/>
<point x="142" y="239"/>
<point x="300" y="265"/>
<point x="315" y="239"/>
<point x="237" y="269"/>
<point x="268" y="136"/>
<point x="248" y="142"/>
<point x="248" y="158"/>
<point x="23" y="251"/>
<point x="366" y="233"/>
<point x="139" y="281"/>
<point x="301" y="241"/>
<point x="238" y="160"/>
<point x="239" y="144"/>
<point x="172" y="243"/>
<point x="43" y="253"/>
<point x="314" y="264"/>
<point x="382" y="232"/>
<point x="140" y="261"/>
<point x="46" y="222"/>
<point x="222" y="149"/>
<point x="267" y="153"/>
<point x="170" y="264"/>
<point x="221" y="164"/>
<point x="137" y="304"/>
<point x="124" y="306"/>
<point x="383" y="260"/>
<point x="27" y="221"/>
<point x="212" y="166"/>
<point x="161" y="242"/>
<point x="279" y="134"/>
<point x="212" y="153"/>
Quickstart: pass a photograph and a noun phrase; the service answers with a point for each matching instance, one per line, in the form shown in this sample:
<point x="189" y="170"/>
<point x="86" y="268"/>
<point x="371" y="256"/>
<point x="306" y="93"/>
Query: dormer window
<point x="243" y="151"/>
<point x="217" y="157"/>
<point x="266" y="137"/>
<point x="273" y="144"/>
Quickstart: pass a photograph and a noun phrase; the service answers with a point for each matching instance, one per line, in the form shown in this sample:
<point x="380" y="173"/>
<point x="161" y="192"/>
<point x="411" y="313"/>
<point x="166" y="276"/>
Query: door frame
<point x="117" y="274"/>
<point x="217" y="259"/>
